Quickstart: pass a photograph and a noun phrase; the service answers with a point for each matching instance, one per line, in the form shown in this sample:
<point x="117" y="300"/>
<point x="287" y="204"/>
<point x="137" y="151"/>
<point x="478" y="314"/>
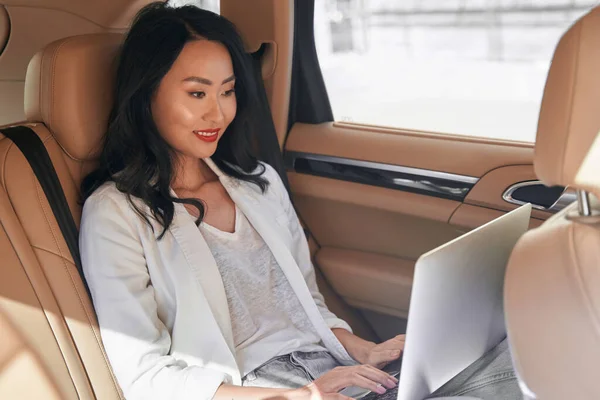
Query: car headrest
<point x="569" y="118"/>
<point x="69" y="87"/>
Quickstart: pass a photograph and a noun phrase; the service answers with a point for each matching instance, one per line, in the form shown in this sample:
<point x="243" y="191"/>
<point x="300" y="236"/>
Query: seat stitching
<point x="573" y="88"/>
<point x="66" y="260"/>
<point x="53" y="85"/>
<point x="10" y="146"/>
<point x="81" y="304"/>
<point x="52" y="252"/>
<point x="41" y="88"/>
<point x="35" y="293"/>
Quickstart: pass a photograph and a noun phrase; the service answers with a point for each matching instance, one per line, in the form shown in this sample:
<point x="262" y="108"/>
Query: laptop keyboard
<point x="391" y="394"/>
<point x="393" y="369"/>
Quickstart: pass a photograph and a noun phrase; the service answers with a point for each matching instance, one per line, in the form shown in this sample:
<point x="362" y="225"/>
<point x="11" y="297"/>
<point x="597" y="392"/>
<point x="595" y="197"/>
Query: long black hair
<point x="134" y="154"/>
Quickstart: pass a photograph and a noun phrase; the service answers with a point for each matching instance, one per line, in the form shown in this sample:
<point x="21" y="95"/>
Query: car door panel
<point x="354" y="216"/>
<point x="371" y="281"/>
<point x="446" y="153"/>
<point x="488" y="191"/>
<point x="468" y="217"/>
<point x="371" y="233"/>
<point x="385" y="199"/>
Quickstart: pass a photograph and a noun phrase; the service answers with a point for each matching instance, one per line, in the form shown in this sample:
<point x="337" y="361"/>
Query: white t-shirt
<point x="267" y="317"/>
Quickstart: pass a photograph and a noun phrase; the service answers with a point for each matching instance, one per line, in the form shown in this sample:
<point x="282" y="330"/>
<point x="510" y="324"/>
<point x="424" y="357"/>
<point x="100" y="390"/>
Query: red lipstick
<point x="208" y="135"/>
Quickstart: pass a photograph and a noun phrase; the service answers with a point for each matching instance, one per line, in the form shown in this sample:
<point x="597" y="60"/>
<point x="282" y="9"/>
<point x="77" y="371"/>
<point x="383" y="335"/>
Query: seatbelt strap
<point x="36" y="154"/>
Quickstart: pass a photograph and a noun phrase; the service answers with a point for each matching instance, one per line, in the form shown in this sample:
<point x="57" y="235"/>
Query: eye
<point x="198" y="95"/>
<point x="229" y="93"/>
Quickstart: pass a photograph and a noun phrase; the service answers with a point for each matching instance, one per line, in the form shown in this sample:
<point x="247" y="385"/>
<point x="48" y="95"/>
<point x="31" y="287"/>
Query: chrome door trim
<point x="292" y="155"/>
<point x="415" y="180"/>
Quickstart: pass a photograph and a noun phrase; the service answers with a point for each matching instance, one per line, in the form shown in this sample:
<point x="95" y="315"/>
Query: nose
<point x="213" y="112"/>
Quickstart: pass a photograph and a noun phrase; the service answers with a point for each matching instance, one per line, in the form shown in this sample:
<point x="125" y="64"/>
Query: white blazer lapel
<point x="265" y="224"/>
<point x="204" y="268"/>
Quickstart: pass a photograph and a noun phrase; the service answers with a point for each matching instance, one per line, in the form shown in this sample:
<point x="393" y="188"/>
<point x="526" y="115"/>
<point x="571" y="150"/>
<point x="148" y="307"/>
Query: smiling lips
<point x="208" y="135"/>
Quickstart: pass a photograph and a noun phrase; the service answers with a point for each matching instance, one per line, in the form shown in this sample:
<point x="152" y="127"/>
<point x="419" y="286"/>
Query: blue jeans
<point x="291" y="370"/>
<point x="489" y="378"/>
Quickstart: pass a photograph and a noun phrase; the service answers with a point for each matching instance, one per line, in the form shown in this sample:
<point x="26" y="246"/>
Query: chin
<point x="207" y="150"/>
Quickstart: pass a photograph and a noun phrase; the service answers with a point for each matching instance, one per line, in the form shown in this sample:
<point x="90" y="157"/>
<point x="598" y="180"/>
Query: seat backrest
<point x="552" y="291"/>
<point x="67" y="99"/>
<point x="32" y="362"/>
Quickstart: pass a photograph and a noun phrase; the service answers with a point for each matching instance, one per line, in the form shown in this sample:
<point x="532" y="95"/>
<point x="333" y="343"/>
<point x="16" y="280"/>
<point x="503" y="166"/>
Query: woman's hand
<point x="329" y="384"/>
<point x="365" y="352"/>
<point x="364" y="376"/>
<point x="379" y="355"/>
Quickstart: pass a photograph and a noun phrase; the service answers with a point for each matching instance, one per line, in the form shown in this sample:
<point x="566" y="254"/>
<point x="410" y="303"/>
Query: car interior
<point x="372" y="198"/>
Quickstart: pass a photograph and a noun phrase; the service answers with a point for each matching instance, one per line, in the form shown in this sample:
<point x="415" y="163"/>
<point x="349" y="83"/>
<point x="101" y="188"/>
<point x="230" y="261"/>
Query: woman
<point x="198" y="267"/>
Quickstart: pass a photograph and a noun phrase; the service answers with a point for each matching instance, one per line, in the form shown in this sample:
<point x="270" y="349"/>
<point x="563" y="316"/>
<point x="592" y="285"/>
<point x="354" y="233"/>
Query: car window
<point x="468" y="67"/>
<point x="211" y="5"/>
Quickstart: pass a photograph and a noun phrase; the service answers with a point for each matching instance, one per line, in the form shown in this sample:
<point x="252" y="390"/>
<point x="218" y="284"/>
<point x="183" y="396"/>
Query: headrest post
<point x="583" y="200"/>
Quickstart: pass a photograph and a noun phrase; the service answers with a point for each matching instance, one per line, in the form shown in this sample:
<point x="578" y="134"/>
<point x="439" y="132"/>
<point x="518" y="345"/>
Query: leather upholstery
<point x="51" y="277"/>
<point x="69" y="88"/>
<point x="21" y="367"/>
<point x="552" y="288"/>
<point x="569" y="118"/>
<point x="31" y="359"/>
<point x="552" y="302"/>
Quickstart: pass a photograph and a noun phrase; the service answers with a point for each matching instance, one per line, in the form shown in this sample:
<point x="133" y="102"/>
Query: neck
<point x="191" y="174"/>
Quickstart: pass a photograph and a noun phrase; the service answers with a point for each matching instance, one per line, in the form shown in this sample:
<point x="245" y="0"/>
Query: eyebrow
<point x="206" y="81"/>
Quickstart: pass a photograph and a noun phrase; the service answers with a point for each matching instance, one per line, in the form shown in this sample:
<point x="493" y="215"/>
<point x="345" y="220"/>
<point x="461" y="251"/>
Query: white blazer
<point x="161" y="304"/>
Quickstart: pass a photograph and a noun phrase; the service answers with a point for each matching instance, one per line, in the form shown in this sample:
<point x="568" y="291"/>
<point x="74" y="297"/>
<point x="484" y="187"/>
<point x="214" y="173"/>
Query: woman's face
<point x="195" y="101"/>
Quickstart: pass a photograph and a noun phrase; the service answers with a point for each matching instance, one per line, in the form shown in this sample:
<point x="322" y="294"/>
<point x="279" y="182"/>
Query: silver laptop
<point x="456" y="308"/>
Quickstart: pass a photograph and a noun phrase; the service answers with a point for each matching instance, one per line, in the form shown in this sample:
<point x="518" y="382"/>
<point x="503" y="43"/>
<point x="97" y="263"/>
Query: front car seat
<point x="552" y="288"/>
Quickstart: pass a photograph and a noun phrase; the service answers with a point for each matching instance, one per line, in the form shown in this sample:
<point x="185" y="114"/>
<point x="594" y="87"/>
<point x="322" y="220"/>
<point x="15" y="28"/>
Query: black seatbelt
<point x="36" y="154"/>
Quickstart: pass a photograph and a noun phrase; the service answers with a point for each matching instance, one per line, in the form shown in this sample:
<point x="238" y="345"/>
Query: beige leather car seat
<point x="43" y="299"/>
<point x="32" y="365"/>
<point x="552" y="291"/>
